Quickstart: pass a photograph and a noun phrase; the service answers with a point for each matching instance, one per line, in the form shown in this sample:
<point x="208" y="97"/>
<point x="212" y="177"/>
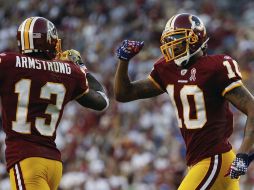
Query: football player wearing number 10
<point x="200" y="87"/>
<point x="34" y="88"/>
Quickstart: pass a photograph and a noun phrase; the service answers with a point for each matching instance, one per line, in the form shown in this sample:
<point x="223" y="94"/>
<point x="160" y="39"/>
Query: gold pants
<point x="210" y="174"/>
<point x="36" y="174"/>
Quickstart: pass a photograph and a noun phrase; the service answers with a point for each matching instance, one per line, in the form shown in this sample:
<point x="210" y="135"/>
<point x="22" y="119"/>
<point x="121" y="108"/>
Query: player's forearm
<point x="95" y="100"/>
<point x="242" y="99"/>
<point x="122" y="87"/>
<point x="248" y="135"/>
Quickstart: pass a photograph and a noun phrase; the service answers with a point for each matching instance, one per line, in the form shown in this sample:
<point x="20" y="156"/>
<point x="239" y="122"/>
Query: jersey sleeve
<point x="4" y="58"/>
<point x="228" y="75"/>
<point x="82" y="83"/>
<point x="155" y="77"/>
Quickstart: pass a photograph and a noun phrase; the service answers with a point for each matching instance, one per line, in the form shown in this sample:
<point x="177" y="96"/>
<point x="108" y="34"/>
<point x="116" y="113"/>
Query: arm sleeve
<point x="228" y="75"/>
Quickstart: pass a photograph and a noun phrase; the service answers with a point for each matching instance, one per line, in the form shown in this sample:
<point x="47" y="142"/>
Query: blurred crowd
<point x="131" y="146"/>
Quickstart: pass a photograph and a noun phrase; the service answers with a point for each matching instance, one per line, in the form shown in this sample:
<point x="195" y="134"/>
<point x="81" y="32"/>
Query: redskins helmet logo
<point x="52" y="33"/>
<point x="196" y="23"/>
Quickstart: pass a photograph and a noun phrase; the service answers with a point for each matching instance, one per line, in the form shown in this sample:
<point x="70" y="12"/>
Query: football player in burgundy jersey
<point x="34" y="88"/>
<point x="200" y="87"/>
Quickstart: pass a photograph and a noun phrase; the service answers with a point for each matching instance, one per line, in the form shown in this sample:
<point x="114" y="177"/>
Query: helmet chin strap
<point x="182" y="61"/>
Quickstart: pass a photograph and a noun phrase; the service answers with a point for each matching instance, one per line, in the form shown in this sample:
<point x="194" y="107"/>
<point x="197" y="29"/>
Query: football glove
<point x="75" y="57"/>
<point x="128" y="49"/>
<point x="72" y="55"/>
<point x="239" y="165"/>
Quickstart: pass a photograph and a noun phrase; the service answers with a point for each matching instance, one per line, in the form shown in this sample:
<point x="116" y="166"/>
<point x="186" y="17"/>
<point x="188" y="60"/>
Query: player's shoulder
<point x="161" y="62"/>
<point x="8" y="57"/>
<point x="217" y="61"/>
<point x="217" y="58"/>
<point x="78" y="71"/>
<point x="75" y="68"/>
<point x="224" y="66"/>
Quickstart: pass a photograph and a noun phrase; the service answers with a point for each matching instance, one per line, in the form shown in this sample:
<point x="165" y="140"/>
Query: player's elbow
<point x="120" y="97"/>
<point x="96" y="100"/>
<point x="102" y="106"/>
<point x="103" y="102"/>
<point x="123" y="100"/>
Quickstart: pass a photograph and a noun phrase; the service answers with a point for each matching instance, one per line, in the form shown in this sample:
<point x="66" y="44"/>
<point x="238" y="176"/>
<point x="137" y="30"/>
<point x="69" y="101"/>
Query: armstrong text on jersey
<point x="31" y="63"/>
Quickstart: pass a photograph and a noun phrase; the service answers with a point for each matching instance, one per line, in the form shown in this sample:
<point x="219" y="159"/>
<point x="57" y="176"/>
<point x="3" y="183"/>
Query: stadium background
<point x="133" y="146"/>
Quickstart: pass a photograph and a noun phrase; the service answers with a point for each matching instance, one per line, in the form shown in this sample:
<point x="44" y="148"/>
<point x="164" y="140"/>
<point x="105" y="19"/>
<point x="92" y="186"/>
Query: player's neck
<point x="39" y="55"/>
<point x="193" y="60"/>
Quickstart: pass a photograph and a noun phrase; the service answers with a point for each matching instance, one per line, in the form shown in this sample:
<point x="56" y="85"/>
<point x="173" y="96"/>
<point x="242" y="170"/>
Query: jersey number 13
<point x="21" y="125"/>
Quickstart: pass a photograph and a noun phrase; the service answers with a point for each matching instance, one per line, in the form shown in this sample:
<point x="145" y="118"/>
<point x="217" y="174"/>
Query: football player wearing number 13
<point x="200" y="87"/>
<point x="35" y="87"/>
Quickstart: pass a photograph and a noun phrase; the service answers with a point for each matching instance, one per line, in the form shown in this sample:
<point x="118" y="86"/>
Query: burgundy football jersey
<point x="34" y="93"/>
<point x="197" y="93"/>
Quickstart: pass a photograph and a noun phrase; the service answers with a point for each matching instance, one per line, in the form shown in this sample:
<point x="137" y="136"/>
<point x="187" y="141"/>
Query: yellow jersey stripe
<point x="232" y="86"/>
<point x="155" y="83"/>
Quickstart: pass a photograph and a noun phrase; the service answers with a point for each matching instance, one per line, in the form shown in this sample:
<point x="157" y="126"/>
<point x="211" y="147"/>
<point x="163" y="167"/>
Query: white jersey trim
<point x="232" y="86"/>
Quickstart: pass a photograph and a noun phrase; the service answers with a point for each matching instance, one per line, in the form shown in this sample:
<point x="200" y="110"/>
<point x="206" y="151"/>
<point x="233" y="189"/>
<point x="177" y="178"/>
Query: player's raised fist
<point x="72" y="55"/>
<point x="129" y="49"/>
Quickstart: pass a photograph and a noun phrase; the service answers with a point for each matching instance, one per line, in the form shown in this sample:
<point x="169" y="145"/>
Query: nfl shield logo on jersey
<point x="183" y="71"/>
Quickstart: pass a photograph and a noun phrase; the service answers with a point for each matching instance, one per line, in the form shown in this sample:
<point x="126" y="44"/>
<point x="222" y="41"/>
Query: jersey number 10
<point x="198" y="96"/>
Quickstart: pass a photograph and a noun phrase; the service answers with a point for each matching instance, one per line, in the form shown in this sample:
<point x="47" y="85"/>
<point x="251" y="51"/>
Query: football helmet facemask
<point x="184" y="36"/>
<point x="37" y="34"/>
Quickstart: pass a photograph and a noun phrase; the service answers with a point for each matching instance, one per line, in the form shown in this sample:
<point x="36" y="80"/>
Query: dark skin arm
<point x="93" y="99"/>
<point x="126" y="90"/>
<point x="242" y="99"/>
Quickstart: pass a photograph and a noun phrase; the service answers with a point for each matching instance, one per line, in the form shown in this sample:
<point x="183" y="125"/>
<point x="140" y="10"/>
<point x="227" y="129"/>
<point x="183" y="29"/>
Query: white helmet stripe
<point x="170" y="24"/>
<point x="31" y="41"/>
<point x="21" y="29"/>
